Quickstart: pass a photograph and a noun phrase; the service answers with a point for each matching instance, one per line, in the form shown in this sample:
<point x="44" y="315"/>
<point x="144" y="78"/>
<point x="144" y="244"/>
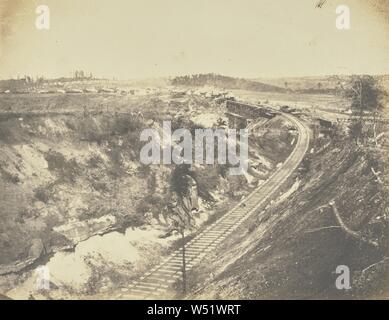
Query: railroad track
<point x="158" y="282"/>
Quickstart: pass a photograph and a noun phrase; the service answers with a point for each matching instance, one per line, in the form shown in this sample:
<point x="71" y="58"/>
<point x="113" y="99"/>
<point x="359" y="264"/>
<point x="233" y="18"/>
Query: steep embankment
<point x="65" y="177"/>
<point x="293" y="247"/>
<point x="64" y="170"/>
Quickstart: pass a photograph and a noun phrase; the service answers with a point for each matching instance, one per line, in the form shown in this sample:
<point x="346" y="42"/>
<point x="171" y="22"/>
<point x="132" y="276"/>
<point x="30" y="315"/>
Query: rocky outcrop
<point x="75" y="232"/>
<point x="36" y="250"/>
<point x="78" y="231"/>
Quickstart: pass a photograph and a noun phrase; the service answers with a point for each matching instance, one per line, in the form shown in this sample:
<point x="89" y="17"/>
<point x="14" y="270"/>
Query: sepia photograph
<point x="194" y="150"/>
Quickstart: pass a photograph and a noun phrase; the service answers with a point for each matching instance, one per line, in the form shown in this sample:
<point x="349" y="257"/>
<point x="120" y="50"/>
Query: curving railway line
<point x="158" y="282"/>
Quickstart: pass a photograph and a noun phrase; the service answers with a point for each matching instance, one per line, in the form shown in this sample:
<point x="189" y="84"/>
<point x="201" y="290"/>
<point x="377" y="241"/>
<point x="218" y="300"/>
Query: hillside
<point x="331" y="84"/>
<point x="224" y="82"/>
<point x="291" y="249"/>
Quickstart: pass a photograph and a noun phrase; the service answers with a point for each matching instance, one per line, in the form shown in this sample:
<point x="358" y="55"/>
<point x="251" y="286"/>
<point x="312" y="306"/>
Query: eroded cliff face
<point x="63" y="171"/>
<point x="66" y="177"/>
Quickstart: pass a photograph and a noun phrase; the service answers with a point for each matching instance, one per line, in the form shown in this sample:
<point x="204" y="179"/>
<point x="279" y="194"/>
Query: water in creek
<point x="71" y="269"/>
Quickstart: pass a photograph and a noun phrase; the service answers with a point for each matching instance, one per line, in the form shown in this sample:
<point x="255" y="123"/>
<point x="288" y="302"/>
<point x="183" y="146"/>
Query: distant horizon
<point x="113" y="78"/>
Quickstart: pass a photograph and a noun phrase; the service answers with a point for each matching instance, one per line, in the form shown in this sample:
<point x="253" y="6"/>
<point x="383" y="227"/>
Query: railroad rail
<point x="158" y="282"/>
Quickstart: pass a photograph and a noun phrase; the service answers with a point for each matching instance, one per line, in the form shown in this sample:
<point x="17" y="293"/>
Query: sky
<point x="131" y="39"/>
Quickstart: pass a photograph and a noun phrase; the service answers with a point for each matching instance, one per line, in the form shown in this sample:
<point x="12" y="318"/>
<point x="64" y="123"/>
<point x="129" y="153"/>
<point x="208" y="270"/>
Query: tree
<point x="182" y="209"/>
<point x="366" y="96"/>
<point x="355" y="130"/>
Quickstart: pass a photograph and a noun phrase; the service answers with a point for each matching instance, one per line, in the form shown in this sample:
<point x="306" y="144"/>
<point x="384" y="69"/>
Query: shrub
<point x="42" y="194"/>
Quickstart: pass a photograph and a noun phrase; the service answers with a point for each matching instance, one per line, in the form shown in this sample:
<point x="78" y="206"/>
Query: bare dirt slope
<point x="292" y="248"/>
